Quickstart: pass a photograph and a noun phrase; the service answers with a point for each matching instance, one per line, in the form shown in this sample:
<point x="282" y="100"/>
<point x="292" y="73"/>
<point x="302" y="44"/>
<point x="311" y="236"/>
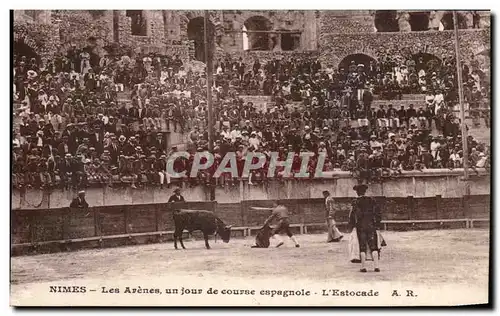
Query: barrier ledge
<point x="414" y="173"/>
<point x="336" y="174"/>
<point x="149" y="204"/>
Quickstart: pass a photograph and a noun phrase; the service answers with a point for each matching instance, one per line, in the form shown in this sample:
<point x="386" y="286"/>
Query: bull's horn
<point x="229" y="226"/>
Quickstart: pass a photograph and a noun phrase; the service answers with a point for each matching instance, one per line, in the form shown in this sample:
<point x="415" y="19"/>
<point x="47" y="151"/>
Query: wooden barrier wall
<point x="32" y="229"/>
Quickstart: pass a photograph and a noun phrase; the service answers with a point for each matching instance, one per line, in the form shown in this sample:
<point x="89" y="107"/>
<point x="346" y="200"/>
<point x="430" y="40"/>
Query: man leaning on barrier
<point x="79" y="201"/>
<point x="176" y="197"/>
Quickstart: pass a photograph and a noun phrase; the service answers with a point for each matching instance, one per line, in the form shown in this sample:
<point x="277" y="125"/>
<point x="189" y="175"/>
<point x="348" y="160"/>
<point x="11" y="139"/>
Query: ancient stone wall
<point x="42" y="38"/>
<point x="346" y="22"/>
<point x="290" y="20"/>
<point x="335" y="47"/>
<point x="154" y="38"/>
<point x="162" y="36"/>
<point x="265" y="56"/>
<point x="76" y="26"/>
<point x="335" y="33"/>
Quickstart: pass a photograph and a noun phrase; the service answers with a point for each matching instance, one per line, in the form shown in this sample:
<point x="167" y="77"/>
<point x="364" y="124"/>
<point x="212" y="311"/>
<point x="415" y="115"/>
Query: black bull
<point x="205" y="221"/>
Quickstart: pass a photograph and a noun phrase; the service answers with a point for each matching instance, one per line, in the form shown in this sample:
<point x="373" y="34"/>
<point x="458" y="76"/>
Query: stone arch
<point x="25" y="45"/>
<point x="21" y="48"/>
<point x="355" y="59"/>
<point x="386" y="21"/>
<point x="260" y="41"/>
<point x="215" y="19"/>
<point x="44" y="41"/>
<point x="419" y="21"/>
<point x="196" y="33"/>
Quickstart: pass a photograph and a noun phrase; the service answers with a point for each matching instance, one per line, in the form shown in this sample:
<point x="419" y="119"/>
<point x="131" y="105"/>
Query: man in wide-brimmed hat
<point x="365" y="218"/>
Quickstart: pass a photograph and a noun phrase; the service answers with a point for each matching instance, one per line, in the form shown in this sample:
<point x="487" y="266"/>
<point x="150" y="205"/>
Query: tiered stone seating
<point x="404" y="97"/>
<point x="260" y="102"/>
<point x="416" y="99"/>
<point x="173" y="138"/>
<point x="123" y="97"/>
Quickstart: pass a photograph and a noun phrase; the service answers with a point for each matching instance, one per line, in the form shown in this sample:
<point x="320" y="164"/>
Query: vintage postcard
<point x="250" y="158"/>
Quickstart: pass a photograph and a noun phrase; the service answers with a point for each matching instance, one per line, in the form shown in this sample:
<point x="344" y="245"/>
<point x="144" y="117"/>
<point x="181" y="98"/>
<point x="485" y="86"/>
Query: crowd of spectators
<point x="73" y="129"/>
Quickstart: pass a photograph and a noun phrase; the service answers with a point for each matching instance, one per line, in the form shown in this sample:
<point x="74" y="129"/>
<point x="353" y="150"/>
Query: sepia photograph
<point x="184" y="158"/>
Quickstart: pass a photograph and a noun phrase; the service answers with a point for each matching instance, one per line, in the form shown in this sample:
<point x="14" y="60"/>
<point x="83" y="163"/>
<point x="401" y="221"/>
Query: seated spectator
<point x="79" y="130"/>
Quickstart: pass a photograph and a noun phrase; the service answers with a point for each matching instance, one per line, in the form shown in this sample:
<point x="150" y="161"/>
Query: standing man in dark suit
<point x="133" y="114"/>
<point x="411" y="112"/>
<point x="365" y="217"/>
<point x="256" y="66"/>
<point x="176" y="197"/>
<point x="402" y="116"/>
<point x="315" y="67"/>
<point x="372" y="117"/>
<point x="240" y="67"/>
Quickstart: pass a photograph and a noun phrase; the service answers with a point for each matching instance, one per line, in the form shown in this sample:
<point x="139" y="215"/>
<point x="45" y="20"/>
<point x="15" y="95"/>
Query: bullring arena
<point x="454" y="261"/>
<point x="102" y="99"/>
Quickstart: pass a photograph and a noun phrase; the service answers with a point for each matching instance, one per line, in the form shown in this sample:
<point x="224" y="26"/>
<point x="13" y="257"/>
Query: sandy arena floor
<point x="447" y="267"/>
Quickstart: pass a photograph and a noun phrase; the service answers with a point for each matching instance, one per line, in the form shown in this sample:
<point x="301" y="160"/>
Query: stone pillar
<point x="191" y="49"/>
<point x="167" y="16"/>
<point x="116" y="26"/>
<point x="148" y="16"/>
<point x="44" y="16"/>
<point x="484" y="19"/>
<point x="404" y="21"/>
<point x="309" y="38"/>
<point x="18" y="15"/>
<point x="368" y="19"/>
<point x="172" y="25"/>
<point x="277" y="36"/>
<point x="176" y="26"/>
<point x="124" y="32"/>
<point x="469" y="18"/>
<point x="108" y="18"/>
<point x="233" y="41"/>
